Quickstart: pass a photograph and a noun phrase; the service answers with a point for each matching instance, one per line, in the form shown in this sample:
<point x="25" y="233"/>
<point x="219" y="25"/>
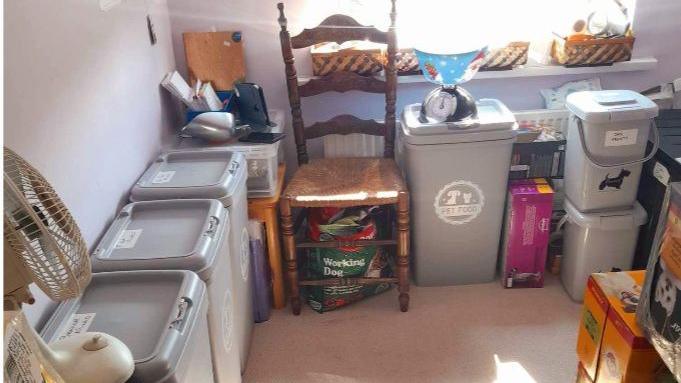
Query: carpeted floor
<point x="450" y="334"/>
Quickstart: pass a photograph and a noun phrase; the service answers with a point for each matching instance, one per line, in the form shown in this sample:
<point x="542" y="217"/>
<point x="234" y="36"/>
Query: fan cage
<point x="42" y="232"/>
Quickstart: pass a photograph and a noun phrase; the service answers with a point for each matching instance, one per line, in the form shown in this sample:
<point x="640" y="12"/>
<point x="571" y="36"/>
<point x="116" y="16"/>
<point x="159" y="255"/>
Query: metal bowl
<point x="214" y="126"/>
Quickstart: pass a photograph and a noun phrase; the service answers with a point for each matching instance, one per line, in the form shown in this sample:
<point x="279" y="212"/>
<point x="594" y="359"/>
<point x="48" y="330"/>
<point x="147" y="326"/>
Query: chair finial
<point x="393" y="14"/>
<point x="282" y="19"/>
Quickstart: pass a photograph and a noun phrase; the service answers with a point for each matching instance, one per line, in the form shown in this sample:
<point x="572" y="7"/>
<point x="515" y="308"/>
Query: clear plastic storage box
<point x="262" y="159"/>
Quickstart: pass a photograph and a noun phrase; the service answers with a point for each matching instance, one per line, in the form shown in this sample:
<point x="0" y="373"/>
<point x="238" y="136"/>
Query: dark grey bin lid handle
<point x="589" y="156"/>
<point x="184" y="306"/>
<point x="233" y="166"/>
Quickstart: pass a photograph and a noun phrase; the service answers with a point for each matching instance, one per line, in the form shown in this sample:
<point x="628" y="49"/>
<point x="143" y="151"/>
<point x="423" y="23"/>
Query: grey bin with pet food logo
<point x="457" y="176"/>
<point x="597" y="242"/>
<point x="606" y="146"/>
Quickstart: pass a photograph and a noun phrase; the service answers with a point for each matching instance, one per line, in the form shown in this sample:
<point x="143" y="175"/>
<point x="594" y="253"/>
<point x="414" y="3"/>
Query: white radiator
<point x="362" y="145"/>
<point x="353" y="145"/>
<point x="557" y="118"/>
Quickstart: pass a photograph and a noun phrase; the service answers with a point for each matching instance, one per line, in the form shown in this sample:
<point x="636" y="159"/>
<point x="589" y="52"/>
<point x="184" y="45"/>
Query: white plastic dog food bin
<point x="159" y="315"/>
<point x="597" y="242"/>
<point x="183" y="234"/>
<point x="262" y="159"/>
<point x="214" y="174"/>
<point x="607" y="139"/>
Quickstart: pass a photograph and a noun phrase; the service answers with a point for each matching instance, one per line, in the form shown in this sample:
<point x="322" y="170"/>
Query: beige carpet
<point x="450" y="334"/>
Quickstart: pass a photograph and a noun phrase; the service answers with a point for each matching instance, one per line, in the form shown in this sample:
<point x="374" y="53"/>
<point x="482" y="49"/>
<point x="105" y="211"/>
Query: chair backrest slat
<point x="343" y="125"/>
<point x="341" y="82"/>
<point x="339" y="29"/>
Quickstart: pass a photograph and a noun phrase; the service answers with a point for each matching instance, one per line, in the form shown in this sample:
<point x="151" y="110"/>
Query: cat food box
<point x="610" y="345"/>
<point x="526" y="233"/>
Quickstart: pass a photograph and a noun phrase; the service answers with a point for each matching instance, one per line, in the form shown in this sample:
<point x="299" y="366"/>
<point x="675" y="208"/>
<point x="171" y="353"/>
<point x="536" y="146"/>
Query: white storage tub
<point x="262" y="159"/>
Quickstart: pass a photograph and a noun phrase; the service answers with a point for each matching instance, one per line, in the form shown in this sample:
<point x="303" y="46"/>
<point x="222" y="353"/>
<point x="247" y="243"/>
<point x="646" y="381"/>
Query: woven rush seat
<point x="344" y="182"/>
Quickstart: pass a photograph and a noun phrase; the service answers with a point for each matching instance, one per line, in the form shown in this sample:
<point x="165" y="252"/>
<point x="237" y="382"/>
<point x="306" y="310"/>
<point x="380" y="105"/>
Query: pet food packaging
<point x="608" y="133"/>
<point x="660" y="311"/>
<point x="526" y="233"/>
<point x="611" y="347"/>
<point x="330" y="223"/>
<point x="262" y="287"/>
<point x="582" y="375"/>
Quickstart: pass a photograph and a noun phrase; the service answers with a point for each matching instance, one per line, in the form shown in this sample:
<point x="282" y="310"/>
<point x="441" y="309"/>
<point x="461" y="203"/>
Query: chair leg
<point x="288" y="235"/>
<point x="403" y="250"/>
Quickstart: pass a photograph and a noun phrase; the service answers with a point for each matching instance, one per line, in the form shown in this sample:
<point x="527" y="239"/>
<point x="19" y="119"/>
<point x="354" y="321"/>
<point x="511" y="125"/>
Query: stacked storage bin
<point x="262" y="159"/>
<point x="211" y="174"/>
<point x="607" y="138"/>
<point x="190" y="234"/>
<point x="159" y="315"/>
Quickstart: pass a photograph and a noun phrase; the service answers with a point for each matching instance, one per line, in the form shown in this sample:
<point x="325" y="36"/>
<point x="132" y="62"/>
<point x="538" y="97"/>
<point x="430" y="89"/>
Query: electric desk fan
<point x="44" y="245"/>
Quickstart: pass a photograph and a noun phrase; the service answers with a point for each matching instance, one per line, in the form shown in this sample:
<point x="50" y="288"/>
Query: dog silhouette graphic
<point x="614" y="182"/>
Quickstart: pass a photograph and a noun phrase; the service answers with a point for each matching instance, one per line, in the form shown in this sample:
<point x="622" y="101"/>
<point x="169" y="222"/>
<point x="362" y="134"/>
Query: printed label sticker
<point x="459" y="202"/>
<point x="245" y="254"/>
<point x="621" y="137"/>
<point x="77" y="324"/>
<point x="128" y="239"/>
<point x="163" y="177"/>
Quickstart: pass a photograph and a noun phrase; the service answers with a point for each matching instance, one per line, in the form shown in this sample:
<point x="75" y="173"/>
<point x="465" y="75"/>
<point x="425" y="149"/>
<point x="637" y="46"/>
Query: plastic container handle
<point x="184" y="306"/>
<point x="589" y="156"/>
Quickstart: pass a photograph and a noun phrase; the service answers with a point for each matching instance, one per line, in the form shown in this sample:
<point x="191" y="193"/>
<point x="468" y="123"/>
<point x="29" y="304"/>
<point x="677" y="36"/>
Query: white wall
<point x="83" y="102"/>
<point x="656" y="26"/>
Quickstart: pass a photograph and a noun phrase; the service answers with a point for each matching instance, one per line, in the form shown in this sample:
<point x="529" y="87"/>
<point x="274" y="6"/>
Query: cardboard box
<point x="610" y="345"/>
<point x="526" y="233"/>
<point x="582" y="375"/>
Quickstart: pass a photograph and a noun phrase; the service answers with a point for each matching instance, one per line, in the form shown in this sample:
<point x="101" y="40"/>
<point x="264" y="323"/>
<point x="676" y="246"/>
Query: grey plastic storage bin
<point x="607" y="139"/>
<point x="261" y="159"/>
<point x="214" y="174"/>
<point x="189" y="234"/>
<point x="597" y="242"/>
<point x="457" y="181"/>
<point x="159" y="315"/>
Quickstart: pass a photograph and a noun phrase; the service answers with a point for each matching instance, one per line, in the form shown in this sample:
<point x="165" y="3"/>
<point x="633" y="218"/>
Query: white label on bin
<point x="661" y="173"/>
<point x="227" y="320"/>
<point x="459" y="202"/>
<point x="245" y="255"/>
<point x="621" y="137"/>
<point x="163" y="177"/>
<point x="77" y="324"/>
<point x="128" y="239"/>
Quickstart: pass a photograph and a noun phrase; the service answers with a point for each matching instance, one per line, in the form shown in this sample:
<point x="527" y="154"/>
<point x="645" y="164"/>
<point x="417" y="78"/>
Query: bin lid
<point x="495" y="122"/>
<point x="611" y="105"/>
<point x="152" y="312"/>
<point x="192" y="174"/>
<point x="632" y="217"/>
<point x="159" y="235"/>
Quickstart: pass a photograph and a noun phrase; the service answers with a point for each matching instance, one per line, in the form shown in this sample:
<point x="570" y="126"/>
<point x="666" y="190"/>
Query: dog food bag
<point x="660" y="310"/>
<point x="371" y="261"/>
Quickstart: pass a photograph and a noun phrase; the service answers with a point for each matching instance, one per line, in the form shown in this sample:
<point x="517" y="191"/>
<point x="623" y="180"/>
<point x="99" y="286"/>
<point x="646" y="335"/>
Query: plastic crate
<point x="262" y="160"/>
<point x="227" y="99"/>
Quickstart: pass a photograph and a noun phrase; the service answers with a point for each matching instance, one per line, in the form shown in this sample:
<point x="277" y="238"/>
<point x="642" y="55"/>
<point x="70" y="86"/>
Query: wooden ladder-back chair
<point x="344" y="182"/>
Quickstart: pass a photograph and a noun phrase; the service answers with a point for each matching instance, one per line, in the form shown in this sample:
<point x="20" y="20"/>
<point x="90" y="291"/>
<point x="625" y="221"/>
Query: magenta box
<point x="526" y="234"/>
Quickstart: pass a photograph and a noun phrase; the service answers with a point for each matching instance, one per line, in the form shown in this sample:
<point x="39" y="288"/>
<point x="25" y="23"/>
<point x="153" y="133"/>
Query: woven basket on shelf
<point x="360" y="61"/>
<point x="507" y="57"/>
<point x="593" y="52"/>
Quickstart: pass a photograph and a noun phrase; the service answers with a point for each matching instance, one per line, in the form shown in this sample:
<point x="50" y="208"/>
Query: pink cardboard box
<point x="526" y="234"/>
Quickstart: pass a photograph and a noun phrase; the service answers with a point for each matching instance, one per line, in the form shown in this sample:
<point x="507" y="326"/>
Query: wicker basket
<point x="593" y="52"/>
<point x="360" y="61"/>
<point x="508" y="57"/>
